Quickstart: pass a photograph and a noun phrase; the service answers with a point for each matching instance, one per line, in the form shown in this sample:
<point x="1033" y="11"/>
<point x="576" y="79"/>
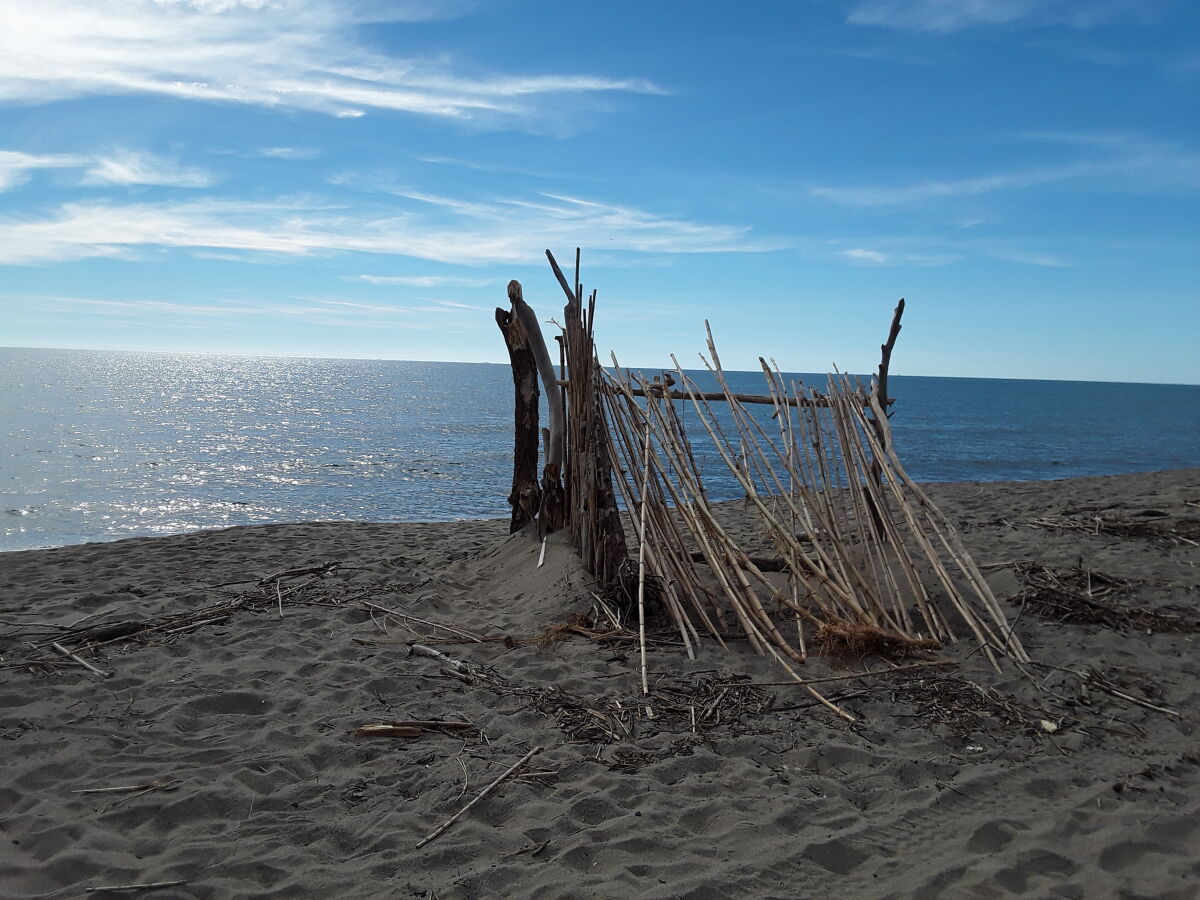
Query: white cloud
<point x="300" y="54"/>
<point x="946" y="16"/>
<point x="129" y="168"/>
<point x="441" y="229"/>
<point x="15" y="166"/>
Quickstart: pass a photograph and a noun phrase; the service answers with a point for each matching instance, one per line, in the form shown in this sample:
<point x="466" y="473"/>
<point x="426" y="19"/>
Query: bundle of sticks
<point x="864" y="561"/>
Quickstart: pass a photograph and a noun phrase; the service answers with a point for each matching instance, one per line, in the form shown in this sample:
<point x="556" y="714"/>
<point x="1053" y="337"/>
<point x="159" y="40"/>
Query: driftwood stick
<point x="474" y="638"/>
<point x="449" y="661"/>
<point x="562" y="279"/>
<point x="850" y="677"/>
<point x="762" y="399"/>
<point x="145" y="886"/>
<point x="125" y="788"/>
<point x="455" y="668"/>
<point x="881" y="388"/>
<point x="885" y="359"/>
<point x="79" y="659"/>
<point x="508" y="773"/>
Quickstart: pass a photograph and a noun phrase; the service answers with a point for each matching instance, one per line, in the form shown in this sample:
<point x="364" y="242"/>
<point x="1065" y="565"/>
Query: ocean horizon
<point x="101" y="445"/>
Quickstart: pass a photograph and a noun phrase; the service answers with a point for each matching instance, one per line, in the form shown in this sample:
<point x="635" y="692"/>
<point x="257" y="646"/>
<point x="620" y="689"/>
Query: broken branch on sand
<point x="889" y="671"/>
<point x="79" y="659"/>
<point x="126" y="788"/>
<point x="145" y="886"/>
<point x="474" y="638"/>
<point x="455" y="668"/>
<point x="508" y="773"/>
<point x="410" y="729"/>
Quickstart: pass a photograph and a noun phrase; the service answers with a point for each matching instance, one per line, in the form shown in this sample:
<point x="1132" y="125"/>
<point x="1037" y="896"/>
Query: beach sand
<point x="954" y="782"/>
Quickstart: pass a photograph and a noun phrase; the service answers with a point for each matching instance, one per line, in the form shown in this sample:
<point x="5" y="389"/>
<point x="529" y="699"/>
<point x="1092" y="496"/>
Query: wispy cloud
<point x="862" y="255"/>
<point x="130" y="168"/>
<point x="946" y="16"/>
<point x="15" y="166"/>
<point x="896" y="253"/>
<point x="425" y="280"/>
<point x="46" y="302"/>
<point x="441" y="229"/>
<point x="322" y="311"/>
<point x="1119" y="162"/>
<point x="288" y="152"/>
<point x="122" y="167"/>
<point x="298" y="54"/>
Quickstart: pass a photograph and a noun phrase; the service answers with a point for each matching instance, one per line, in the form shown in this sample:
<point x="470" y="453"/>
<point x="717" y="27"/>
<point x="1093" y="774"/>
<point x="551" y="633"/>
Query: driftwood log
<point x="551" y="515"/>
<point x="882" y="433"/>
<point x="526" y="496"/>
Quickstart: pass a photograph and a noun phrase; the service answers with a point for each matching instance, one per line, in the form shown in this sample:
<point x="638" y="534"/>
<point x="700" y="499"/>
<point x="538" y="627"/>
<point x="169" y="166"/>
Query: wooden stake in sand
<point x="487" y="790"/>
<point x="642" y="561"/>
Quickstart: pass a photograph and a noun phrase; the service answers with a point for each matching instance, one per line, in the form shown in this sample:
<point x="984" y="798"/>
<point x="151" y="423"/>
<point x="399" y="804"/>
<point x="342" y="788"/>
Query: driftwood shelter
<point x="863" y="560"/>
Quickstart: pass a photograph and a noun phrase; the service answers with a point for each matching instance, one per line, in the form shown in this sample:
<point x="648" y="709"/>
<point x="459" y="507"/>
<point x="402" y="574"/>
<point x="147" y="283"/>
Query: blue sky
<point x="362" y="179"/>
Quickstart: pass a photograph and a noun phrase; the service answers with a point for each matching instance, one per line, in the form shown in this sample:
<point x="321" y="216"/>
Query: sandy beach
<point x="220" y="757"/>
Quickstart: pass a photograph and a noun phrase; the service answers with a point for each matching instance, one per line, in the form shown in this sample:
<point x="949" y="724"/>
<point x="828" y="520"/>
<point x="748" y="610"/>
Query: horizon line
<point x="453" y="362"/>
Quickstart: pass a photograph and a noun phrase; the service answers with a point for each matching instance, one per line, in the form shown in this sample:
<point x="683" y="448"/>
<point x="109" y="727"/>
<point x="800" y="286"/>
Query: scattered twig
<point x="508" y="773"/>
<point x="400" y="615"/>
<point x="145" y="886"/>
<point x="1093" y="679"/>
<point x="385" y="730"/>
<point x="126" y="788"/>
<point x="409" y="729"/>
<point x="320" y="569"/>
<point x="79" y="659"/>
<point x="889" y="671"/>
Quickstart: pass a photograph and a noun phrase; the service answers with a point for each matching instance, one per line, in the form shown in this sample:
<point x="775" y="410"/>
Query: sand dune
<point x="238" y="732"/>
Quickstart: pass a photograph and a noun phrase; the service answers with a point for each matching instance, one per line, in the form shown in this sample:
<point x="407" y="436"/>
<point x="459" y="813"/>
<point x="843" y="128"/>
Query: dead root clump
<point x="851" y="640"/>
<point x="578" y="625"/>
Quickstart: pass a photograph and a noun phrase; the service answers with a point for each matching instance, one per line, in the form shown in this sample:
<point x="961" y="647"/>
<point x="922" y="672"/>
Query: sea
<point x="98" y="446"/>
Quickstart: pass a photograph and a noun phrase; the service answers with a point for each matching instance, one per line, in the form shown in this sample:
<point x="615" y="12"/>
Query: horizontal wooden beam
<point x="817" y="402"/>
